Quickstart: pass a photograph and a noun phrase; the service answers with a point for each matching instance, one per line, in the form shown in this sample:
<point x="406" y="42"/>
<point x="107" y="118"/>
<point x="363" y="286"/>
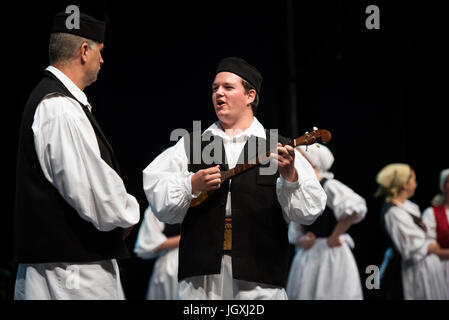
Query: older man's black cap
<point x="89" y="27"/>
<point x="243" y="69"/>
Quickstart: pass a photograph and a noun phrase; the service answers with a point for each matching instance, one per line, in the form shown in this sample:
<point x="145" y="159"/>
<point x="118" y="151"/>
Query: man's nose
<point x="219" y="91"/>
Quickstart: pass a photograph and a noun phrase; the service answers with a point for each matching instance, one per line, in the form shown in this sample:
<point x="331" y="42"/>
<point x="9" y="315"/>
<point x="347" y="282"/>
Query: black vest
<point x="324" y="225"/>
<point x="260" y="245"/>
<point x="172" y="230"/>
<point x="47" y="228"/>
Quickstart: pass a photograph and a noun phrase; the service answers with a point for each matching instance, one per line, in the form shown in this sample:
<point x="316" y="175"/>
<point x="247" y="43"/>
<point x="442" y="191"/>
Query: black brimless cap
<point x="89" y="27"/>
<point x="243" y="69"/>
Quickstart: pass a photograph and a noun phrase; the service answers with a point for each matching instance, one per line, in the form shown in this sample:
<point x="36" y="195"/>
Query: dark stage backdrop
<point x="380" y="92"/>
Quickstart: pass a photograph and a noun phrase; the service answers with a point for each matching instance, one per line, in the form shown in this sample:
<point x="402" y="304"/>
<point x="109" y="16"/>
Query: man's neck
<point x="237" y="127"/>
<point x="72" y="74"/>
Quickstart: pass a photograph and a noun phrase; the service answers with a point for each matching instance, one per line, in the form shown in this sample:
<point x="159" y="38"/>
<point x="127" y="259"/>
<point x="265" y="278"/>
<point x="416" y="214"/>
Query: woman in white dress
<point x="421" y="268"/>
<point x="436" y="219"/>
<point x="159" y="240"/>
<point x="324" y="266"/>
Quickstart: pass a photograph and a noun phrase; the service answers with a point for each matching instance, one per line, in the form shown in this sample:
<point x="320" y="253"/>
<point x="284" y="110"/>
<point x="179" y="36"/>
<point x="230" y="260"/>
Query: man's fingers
<point x="212" y="170"/>
<point x="211" y="177"/>
<point x="214" y="182"/>
<point x="278" y="160"/>
<point x="284" y="159"/>
<point x="282" y="150"/>
<point x="290" y="151"/>
<point x="213" y="185"/>
<point x="287" y="152"/>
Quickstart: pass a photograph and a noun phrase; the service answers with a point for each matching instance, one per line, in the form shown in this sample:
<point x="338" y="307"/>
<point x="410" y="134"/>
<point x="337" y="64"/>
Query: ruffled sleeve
<point x="344" y="201"/>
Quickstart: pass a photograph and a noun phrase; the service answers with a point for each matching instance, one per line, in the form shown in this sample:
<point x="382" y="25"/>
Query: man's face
<point x="94" y="62"/>
<point x="229" y="97"/>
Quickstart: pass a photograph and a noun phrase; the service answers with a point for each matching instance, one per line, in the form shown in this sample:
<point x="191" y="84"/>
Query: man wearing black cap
<point x="234" y="245"/>
<point x="72" y="209"/>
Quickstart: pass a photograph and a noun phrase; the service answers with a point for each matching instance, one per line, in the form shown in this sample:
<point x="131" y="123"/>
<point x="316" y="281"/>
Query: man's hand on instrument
<point x="206" y="180"/>
<point x="286" y="162"/>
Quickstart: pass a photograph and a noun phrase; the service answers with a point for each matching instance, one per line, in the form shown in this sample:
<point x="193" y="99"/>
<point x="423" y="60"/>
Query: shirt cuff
<point x="188" y="187"/>
<point x="287" y="184"/>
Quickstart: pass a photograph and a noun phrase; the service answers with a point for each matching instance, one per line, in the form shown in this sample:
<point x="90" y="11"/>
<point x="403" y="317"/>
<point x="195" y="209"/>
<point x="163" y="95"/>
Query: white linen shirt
<point x="68" y="152"/>
<point x="167" y="185"/>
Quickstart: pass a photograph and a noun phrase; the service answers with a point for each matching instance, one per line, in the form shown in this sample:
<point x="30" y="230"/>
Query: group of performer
<point x="73" y="212"/>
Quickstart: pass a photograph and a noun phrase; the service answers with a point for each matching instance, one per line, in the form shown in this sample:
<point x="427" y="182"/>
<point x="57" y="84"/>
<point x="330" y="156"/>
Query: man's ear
<point x="251" y="96"/>
<point x="84" y="48"/>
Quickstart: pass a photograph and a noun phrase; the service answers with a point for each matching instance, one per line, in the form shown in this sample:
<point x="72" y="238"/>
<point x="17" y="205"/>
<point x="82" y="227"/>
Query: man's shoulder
<point x="57" y="105"/>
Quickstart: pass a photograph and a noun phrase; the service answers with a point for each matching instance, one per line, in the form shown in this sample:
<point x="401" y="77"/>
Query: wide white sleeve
<point x="150" y="236"/>
<point x="407" y="237"/>
<point x="69" y="156"/>
<point x="167" y="184"/>
<point x="430" y="222"/>
<point x="304" y="200"/>
<point x="344" y="201"/>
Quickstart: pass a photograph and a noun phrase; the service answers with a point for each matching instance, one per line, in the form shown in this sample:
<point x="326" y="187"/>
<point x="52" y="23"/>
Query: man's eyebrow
<point x="224" y="84"/>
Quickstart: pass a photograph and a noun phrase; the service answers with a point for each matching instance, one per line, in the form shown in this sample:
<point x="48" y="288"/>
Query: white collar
<point x="411" y="208"/>
<point x="255" y="129"/>
<point x="74" y="90"/>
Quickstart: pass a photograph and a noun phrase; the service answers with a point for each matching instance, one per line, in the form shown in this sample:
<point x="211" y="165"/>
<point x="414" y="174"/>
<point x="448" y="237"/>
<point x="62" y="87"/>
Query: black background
<point x="380" y="92"/>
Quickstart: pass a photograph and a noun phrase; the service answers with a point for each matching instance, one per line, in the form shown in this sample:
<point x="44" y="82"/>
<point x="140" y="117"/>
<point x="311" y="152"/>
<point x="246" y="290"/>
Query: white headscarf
<point x="438" y="200"/>
<point x="319" y="157"/>
<point x="391" y="179"/>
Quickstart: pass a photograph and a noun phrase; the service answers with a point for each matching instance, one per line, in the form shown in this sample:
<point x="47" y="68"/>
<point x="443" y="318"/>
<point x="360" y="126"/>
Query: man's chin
<point x="221" y="114"/>
<point x="92" y="80"/>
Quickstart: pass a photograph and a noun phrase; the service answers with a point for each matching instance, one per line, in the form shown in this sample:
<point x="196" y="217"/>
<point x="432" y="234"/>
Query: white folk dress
<point x="321" y="272"/>
<point x="164" y="279"/>
<point x="422" y="273"/>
